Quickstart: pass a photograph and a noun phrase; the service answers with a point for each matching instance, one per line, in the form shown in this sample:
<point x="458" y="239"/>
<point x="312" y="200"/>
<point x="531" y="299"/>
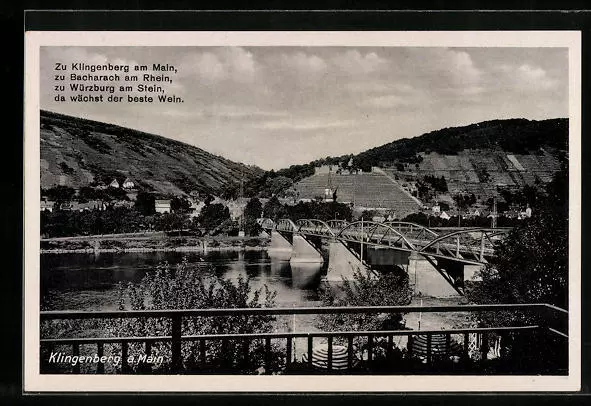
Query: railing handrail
<point x="287" y="334"/>
<point x="261" y="311"/>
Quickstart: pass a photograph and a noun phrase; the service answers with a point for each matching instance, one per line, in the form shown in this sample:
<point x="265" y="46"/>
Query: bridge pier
<point x="304" y="252"/>
<point x="427" y="280"/>
<point x="279" y="243"/>
<point x="342" y="263"/>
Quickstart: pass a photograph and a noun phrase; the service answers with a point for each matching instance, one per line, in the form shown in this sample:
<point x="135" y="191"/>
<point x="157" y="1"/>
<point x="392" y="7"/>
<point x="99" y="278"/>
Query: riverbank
<point x="151" y="243"/>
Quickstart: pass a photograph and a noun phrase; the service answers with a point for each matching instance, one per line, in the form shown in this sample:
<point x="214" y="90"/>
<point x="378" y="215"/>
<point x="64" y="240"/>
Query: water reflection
<point x="89" y="281"/>
<point x="305" y="275"/>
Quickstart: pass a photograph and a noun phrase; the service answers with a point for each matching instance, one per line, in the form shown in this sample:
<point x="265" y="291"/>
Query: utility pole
<point x="494" y="214"/>
<point x="240" y="198"/>
<point x="329" y="190"/>
<point x="362" y="238"/>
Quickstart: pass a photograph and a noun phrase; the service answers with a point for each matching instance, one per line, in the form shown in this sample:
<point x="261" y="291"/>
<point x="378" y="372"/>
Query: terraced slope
<point x="482" y="172"/>
<point x="367" y="190"/>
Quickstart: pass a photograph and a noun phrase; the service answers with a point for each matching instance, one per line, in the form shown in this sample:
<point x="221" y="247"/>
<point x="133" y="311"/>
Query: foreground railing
<point x="236" y="350"/>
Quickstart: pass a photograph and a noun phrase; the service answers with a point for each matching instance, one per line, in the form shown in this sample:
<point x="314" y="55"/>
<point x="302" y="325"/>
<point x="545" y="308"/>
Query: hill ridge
<point x="78" y="151"/>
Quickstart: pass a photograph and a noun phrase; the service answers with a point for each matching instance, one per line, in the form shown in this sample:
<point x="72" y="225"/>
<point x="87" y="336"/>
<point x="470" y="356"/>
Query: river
<point x="89" y="281"/>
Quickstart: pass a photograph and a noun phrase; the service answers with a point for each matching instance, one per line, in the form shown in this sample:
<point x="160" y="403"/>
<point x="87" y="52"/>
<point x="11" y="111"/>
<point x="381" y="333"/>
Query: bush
<point x="184" y="287"/>
<point x="387" y="289"/>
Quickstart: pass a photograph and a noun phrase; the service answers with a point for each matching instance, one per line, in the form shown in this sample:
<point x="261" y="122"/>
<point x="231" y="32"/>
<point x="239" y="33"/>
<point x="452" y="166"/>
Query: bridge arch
<point x="420" y="229"/>
<point x="475" y="243"/>
<point x="375" y="233"/>
<point x="266" y="223"/>
<point x="314" y="226"/>
<point x="286" y="225"/>
<point x="337" y="224"/>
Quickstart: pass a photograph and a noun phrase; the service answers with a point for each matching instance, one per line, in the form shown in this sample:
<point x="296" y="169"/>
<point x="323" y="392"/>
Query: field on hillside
<point x="482" y="172"/>
<point x="369" y="190"/>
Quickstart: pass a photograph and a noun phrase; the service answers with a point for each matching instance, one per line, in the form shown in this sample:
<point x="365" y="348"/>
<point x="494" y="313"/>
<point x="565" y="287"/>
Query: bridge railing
<point x="428" y="346"/>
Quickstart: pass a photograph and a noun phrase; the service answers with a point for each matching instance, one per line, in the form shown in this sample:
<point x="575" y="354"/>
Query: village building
<point x="473" y="213"/>
<point x="128" y="184"/>
<point x="162" y="205"/>
<point x="114" y="184"/>
<point x="47" y="205"/>
<point x="123" y="203"/>
<point x="378" y="219"/>
<point x="236" y="207"/>
<point x="525" y="214"/>
<point x="511" y="214"/>
<point x="444" y="216"/>
<point x="88" y="206"/>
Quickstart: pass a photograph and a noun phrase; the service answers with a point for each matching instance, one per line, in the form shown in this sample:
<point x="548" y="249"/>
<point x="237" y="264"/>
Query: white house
<point x="47" y="205"/>
<point x="162" y="206"/>
<point x="114" y="184"/>
<point x="128" y="184"/>
<point x="444" y="216"/>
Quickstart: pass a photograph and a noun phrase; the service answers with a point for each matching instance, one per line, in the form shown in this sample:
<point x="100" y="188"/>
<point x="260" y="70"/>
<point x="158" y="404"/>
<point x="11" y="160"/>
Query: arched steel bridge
<point x="466" y="245"/>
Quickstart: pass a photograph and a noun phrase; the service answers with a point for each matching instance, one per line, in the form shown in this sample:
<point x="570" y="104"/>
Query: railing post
<point x="124" y="356"/>
<point x="310" y="338"/>
<point x="369" y="348"/>
<point x="76" y="353"/>
<point x="147" y="367"/>
<point x="225" y="354"/>
<point x="429" y="349"/>
<point x="100" y="367"/>
<point x="203" y="353"/>
<point x="389" y="350"/>
<point x="176" y="343"/>
<point x="329" y="360"/>
<point x="289" y="352"/>
<point x="484" y="346"/>
<point x="268" y="354"/>
<point x="466" y="346"/>
<point x="350" y="352"/>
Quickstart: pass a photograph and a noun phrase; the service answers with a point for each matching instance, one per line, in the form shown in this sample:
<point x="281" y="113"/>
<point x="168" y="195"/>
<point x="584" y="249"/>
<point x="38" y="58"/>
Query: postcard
<point x="284" y="211"/>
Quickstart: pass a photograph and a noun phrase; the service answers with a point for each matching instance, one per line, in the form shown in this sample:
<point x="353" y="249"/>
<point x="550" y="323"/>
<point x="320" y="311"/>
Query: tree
<point x="180" y="205"/>
<point x="144" y="203"/>
<point x="277" y="185"/>
<point x="366" y="289"/>
<point x="213" y="215"/>
<point x="252" y="212"/>
<point x="530" y="266"/>
<point x="60" y="194"/>
<point x="274" y="209"/>
<point x="185" y="287"/>
<point x="172" y="221"/>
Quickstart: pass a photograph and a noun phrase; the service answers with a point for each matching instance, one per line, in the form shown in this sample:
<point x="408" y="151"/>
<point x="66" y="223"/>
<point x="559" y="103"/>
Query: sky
<point x="278" y="106"/>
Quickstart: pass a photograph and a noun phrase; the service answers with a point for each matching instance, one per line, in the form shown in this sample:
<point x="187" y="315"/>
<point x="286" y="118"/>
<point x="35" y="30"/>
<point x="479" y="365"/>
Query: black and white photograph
<point x="302" y="211"/>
